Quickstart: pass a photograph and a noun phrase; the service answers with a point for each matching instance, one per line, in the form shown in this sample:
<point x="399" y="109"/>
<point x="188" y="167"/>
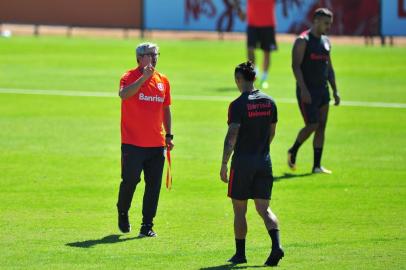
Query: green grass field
<point x="60" y="162"/>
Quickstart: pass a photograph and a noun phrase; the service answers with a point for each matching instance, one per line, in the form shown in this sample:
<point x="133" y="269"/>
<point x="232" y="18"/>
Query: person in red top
<point x="261" y="23"/>
<point x="145" y="132"/>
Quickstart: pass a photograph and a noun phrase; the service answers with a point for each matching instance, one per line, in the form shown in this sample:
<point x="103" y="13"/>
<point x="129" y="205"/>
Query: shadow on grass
<point x="227" y="89"/>
<point x="371" y="241"/>
<point x="231" y="266"/>
<point x="109" y="239"/>
<point x="287" y="176"/>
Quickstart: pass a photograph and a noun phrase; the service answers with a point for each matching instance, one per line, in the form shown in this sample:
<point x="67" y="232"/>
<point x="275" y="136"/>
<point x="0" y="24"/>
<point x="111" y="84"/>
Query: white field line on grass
<point x="184" y="97"/>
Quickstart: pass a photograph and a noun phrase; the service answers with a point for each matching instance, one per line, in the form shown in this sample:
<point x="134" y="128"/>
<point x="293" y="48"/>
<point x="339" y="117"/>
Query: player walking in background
<point x="261" y="23"/>
<point x="145" y="110"/>
<point x="312" y="67"/>
<point x="252" y="121"/>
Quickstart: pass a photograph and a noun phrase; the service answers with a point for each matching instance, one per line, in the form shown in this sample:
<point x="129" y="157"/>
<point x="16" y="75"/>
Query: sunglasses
<point x="153" y="55"/>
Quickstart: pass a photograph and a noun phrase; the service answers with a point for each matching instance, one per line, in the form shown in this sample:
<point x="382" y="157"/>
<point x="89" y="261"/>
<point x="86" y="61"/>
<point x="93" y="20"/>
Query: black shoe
<point x="146" y="231"/>
<point x="275" y="256"/>
<point x="123" y="222"/>
<point x="292" y="160"/>
<point x="236" y="259"/>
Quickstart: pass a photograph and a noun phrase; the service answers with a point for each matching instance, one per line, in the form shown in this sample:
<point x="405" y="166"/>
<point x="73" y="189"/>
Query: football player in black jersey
<point x="252" y="121"/>
<point x="313" y="70"/>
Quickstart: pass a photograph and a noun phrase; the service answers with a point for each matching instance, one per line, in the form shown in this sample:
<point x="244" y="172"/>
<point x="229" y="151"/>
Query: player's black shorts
<point x="263" y="36"/>
<point x="310" y="112"/>
<point x="250" y="178"/>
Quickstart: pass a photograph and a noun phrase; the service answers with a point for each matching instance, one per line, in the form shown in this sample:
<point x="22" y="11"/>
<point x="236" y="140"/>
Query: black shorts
<point x="310" y="112"/>
<point x="263" y="36"/>
<point x="250" y="178"/>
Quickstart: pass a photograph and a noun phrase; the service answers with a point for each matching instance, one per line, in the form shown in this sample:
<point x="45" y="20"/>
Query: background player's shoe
<point x="264" y="85"/>
<point x="275" y="256"/>
<point x="237" y="259"/>
<point x="321" y="170"/>
<point x="291" y="160"/>
<point x="123" y="222"/>
<point x="146" y="231"/>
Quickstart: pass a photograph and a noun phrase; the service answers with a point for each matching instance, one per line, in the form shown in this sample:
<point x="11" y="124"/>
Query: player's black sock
<point x="317" y="157"/>
<point x="274" y="234"/>
<point x="293" y="150"/>
<point x="146" y="220"/>
<point x="240" y="247"/>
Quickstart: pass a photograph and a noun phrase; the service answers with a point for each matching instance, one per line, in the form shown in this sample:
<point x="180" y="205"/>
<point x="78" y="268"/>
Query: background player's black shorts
<point x="263" y="36"/>
<point x="310" y="112"/>
<point x="250" y="178"/>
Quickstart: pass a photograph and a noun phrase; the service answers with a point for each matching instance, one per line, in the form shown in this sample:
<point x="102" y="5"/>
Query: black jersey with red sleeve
<point x="315" y="66"/>
<point x="255" y="112"/>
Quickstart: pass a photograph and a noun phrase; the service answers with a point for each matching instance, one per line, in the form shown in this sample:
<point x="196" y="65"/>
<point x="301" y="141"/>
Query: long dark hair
<point x="247" y="70"/>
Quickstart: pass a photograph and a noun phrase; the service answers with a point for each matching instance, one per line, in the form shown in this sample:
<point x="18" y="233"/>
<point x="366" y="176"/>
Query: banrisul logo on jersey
<point x="155" y="98"/>
<point x="160" y="86"/>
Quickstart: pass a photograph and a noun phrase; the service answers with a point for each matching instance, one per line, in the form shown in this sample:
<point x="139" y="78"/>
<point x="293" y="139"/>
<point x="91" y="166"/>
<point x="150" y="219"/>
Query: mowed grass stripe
<point x="77" y="93"/>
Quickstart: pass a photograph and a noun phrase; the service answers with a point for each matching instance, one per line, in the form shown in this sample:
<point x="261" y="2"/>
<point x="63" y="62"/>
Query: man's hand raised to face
<point x="146" y="62"/>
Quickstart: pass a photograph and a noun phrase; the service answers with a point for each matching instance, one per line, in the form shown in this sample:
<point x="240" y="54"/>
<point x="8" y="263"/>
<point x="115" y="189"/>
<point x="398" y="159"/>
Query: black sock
<point x="274" y="234"/>
<point x="147" y="224"/>
<point x="240" y="247"/>
<point x="317" y="157"/>
<point x="146" y="220"/>
<point x="293" y="150"/>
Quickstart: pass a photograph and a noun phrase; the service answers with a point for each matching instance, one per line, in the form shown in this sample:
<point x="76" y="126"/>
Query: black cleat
<point x="236" y="259"/>
<point x="123" y="222"/>
<point x="275" y="256"/>
<point x="292" y="160"/>
<point x="146" y="231"/>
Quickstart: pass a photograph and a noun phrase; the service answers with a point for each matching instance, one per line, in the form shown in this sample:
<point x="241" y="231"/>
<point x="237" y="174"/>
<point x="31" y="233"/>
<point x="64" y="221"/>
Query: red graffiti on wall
<point x="401" y="9"/>
<point x="350" y="17"/>
<point x="225" y="22"/>
<point x="194" y="9"/>
<point x="197" y="8"/>
<point x="289" y="4"/>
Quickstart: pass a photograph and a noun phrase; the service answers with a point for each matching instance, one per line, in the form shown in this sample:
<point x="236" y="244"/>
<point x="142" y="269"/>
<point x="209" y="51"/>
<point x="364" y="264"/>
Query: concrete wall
<point x="89" y="13"/>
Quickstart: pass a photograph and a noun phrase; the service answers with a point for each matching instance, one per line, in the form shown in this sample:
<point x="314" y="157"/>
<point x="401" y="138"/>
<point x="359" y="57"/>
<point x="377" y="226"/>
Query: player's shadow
<point x="231" y="266"/>
<point x="226" y="89"/>
<point x="290" y="176"/>
<point x="109" y="239"/>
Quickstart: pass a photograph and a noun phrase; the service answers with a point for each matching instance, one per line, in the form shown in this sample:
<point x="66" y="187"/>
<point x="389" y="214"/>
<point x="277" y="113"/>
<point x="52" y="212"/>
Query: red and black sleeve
<point x="274" y="114"/>
<point x="234" y="113"/>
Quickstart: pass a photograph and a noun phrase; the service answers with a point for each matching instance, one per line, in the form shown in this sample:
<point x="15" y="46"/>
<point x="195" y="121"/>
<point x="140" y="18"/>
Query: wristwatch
<point x="169" y="136"/>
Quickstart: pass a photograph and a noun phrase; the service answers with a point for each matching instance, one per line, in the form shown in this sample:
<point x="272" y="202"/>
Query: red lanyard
<point x="168" y="170"/>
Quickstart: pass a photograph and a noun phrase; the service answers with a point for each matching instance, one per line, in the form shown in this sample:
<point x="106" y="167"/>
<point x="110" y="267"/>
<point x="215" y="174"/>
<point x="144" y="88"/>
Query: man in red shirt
<point x="145" y="115"/>
<point x="260" y="31"/>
